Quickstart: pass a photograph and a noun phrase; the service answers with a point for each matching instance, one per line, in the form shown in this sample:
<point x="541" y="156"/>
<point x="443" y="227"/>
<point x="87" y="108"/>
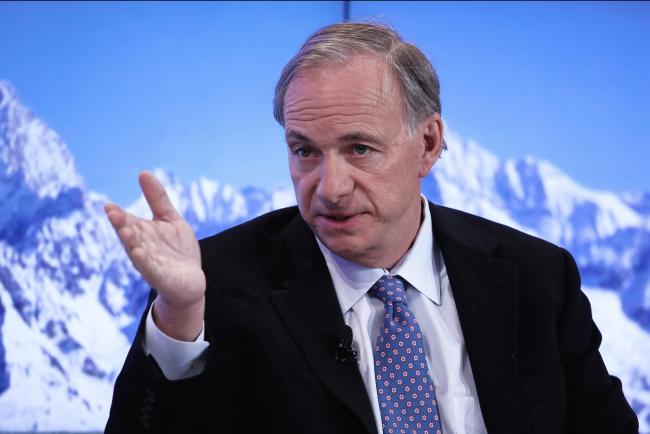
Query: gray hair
<point x="338" y="43"/>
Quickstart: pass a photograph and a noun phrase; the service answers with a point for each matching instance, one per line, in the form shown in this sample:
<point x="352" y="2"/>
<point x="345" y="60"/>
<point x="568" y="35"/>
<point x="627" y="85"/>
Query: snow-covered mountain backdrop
<point x="70" y="301"/>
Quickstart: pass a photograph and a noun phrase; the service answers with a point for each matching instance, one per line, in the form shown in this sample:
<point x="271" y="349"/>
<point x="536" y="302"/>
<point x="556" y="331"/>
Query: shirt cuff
<point x="176" y="359"/>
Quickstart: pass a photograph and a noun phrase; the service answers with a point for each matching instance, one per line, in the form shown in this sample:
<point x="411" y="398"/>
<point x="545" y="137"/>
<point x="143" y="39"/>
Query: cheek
<point x="381" y="193"/>
<point x="389" y="192"/>
<point x="303" y="192"/>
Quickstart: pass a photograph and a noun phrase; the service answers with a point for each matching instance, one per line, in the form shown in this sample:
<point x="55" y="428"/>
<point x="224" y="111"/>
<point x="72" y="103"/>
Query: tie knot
<point x="389" y="289"/>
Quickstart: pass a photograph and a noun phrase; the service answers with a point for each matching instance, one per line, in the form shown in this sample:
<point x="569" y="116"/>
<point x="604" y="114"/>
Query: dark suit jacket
<point x="274" y="323"/>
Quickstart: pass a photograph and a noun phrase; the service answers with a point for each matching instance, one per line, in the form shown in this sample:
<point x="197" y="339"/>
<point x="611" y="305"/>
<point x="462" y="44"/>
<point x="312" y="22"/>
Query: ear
<point x="431" y="133"/>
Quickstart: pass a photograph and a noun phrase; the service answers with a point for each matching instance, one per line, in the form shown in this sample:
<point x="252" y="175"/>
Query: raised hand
<point x="165" y="251"/>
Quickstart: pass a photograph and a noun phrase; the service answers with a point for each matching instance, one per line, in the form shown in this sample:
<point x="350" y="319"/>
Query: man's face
<point x="355" y="166"/>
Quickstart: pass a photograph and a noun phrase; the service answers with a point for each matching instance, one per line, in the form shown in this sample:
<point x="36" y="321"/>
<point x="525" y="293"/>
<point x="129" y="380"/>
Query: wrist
<point x="183" y="323"/>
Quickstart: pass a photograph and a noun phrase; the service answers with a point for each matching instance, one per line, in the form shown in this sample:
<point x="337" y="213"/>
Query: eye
<point x="361" y="149"/>
<point x="302" y="152"/>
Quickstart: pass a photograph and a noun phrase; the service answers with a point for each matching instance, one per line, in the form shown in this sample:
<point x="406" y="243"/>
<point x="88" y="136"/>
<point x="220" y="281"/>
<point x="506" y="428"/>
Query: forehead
<point x="362" y="86"/>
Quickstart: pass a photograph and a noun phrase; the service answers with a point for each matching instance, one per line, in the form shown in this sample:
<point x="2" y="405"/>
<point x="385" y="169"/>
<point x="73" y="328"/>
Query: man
<point x="459" y="325"/>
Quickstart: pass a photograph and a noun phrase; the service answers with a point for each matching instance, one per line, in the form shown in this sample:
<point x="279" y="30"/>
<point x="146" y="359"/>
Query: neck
<point x="410" y="239"/>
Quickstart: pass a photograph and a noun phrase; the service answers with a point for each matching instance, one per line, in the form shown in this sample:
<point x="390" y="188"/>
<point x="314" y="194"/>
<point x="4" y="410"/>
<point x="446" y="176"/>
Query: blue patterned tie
<point x="406" y="396"/>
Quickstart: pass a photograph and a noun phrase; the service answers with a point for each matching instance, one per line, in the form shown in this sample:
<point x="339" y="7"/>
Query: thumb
<point x="156" y="196"/>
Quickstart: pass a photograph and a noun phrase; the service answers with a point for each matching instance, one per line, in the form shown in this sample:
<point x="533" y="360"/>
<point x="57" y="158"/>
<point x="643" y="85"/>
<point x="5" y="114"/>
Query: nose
<point x="335" y="181"/>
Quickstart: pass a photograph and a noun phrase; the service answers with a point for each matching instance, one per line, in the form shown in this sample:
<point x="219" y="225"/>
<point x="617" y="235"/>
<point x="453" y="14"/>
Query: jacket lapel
<point x="486" y="295"/>
<point x="306" y="301"/>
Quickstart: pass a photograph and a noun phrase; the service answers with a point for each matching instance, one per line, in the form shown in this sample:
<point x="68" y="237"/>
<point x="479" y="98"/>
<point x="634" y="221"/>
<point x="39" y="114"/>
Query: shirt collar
<point x="352" y="281"/>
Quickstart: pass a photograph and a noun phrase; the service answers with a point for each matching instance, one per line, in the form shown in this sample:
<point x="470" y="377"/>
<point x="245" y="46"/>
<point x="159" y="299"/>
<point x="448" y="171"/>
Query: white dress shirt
<point x="429" y="298"/>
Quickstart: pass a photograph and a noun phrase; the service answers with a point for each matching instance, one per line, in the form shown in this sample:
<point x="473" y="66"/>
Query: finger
<point x="156" y="196"/>
<point x="108" y="207"/>
<point x="118" y="217"/>
<point x="140" y="258"/>
<point x="129" y="238"/>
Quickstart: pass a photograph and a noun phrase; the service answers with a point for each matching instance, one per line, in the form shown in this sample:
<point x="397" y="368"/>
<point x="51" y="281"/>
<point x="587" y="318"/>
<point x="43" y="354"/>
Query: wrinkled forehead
<point x="362" y="79"/>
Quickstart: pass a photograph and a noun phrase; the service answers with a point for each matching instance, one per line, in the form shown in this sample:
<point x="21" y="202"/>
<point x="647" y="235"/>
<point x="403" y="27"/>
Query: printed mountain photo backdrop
<point x="70" y="301"/>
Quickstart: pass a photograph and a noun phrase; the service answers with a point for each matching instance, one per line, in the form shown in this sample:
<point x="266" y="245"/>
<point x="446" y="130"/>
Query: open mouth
<point x="340" y="222"/>
<point x="338" y="218"/>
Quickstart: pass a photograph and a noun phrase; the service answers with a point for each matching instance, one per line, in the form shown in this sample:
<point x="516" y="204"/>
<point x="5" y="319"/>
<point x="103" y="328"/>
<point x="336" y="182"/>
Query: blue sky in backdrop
<point x="188" y="86"/>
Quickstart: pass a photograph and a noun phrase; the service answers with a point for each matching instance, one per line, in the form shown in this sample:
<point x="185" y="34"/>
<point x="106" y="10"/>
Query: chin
<point x="345" y="248"/>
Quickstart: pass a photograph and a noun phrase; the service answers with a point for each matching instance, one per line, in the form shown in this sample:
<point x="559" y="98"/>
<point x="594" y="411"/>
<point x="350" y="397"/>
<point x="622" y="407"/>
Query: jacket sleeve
<point x="595" y="400"/>
<point x="145" y="402"/>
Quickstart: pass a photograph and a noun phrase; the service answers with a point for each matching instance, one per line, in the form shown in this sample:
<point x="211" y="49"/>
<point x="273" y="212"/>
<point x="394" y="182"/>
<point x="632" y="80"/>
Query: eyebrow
<point x="292" y="134"/>
<point x="350" y="137"/>
<point x="357" y="137"/>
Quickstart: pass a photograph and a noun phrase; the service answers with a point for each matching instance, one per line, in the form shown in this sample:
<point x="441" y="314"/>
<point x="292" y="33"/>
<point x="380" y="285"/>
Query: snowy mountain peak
<point x="530" y="194"/>
<point x="38" y="178"/>
<point x="31" y="154"/>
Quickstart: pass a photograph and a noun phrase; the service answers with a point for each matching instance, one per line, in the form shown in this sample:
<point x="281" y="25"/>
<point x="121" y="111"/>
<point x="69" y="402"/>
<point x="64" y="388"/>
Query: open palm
<point x="164" y="250"/>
